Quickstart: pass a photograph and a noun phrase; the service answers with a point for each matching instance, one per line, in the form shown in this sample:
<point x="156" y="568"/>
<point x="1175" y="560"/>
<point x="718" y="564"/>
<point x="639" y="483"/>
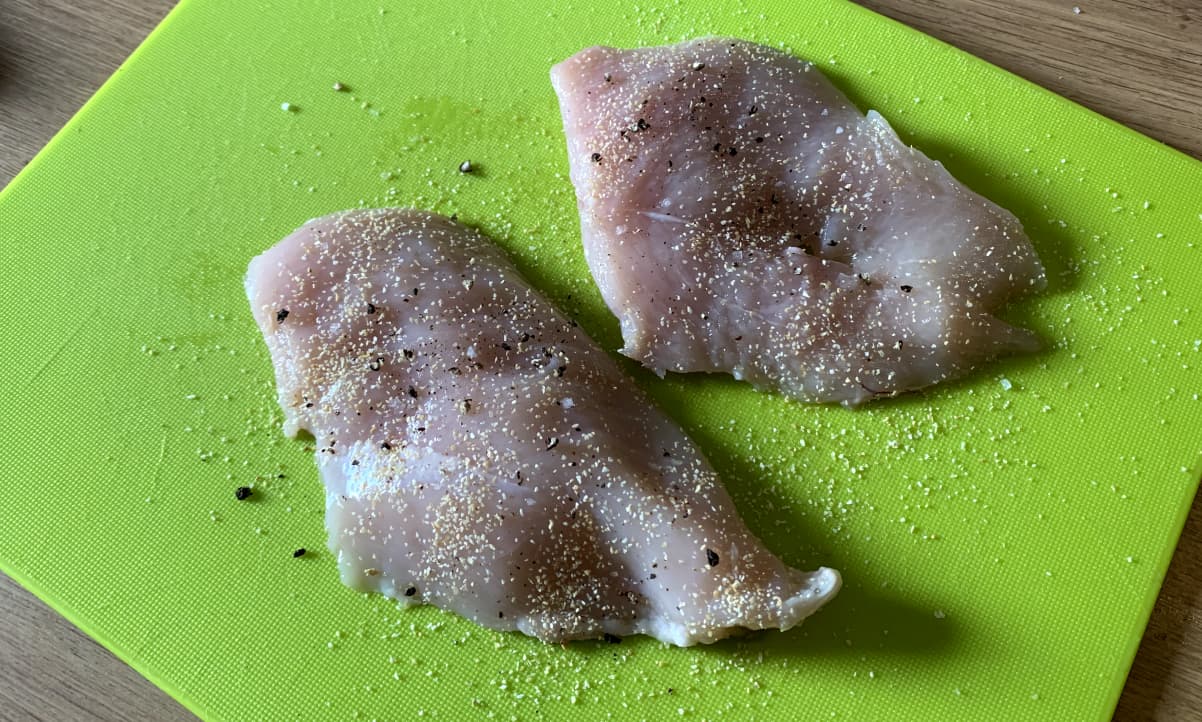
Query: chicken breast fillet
<point x="740" y="215"/>
<point x="481" y="454"/>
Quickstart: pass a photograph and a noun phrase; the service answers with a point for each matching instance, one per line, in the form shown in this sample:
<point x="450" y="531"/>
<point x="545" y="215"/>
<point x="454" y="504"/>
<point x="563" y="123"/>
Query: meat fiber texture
<point x="482" y="454"/>
<point x="740" y="215"/>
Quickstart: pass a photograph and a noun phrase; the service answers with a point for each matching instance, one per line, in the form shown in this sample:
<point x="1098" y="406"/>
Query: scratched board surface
<point x="1002" y="538"/>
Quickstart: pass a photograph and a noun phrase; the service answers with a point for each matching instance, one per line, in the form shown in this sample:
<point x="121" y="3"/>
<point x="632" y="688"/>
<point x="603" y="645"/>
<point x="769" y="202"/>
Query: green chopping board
<point x="1002" y="538"/>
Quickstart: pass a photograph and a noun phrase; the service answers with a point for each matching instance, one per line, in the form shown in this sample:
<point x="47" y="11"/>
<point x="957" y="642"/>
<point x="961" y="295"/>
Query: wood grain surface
<point x="1137" y="61"/>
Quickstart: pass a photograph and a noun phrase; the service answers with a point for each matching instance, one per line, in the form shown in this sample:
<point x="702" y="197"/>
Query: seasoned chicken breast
<point x="740" y="215"/>
<point x="481" y="454"/>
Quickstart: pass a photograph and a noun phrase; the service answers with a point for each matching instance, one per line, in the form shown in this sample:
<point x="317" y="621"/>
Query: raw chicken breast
<point x="481" y="454"/>
<point x="740" y="215"/>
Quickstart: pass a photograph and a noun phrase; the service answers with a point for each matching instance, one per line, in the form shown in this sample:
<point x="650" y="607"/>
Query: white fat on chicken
<point x="740" y="215"/>
<point x="482" y="454"/>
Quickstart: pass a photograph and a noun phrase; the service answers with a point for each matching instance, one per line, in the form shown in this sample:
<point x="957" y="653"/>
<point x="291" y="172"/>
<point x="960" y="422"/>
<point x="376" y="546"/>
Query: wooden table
<point x="1137" y="61"/>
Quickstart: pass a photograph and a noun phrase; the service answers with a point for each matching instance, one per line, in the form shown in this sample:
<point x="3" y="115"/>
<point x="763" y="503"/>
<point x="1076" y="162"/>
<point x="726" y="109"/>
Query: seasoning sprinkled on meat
<point x="516" y="496"/>
<point x="758" y="204"/>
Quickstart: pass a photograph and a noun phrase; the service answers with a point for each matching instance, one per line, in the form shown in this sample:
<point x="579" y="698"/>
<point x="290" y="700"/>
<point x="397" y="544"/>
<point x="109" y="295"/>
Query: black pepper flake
<point x="651" y="576"/>
<point x="907" y="288"/>
<point x="413" y="392"/>
<point x="732" y="150"/>
<point x="711" y="557"/>
<point x="552" y="442"/>
<point x="376" y="363"/>
<point x="641" y="125"/>
<point x="407" y="353"/>
<point x="611" y="638"/>
<point x="752" y="110"/>
<point x="832" y="243"/>
<point x="280" y="315"/>
<point x="386" y="446"/>
<point x="371" y="308"/>
<point x="298" y="553"/>
<point x="596" y="157"/>
<point x="410" y="591"/>
<point x="243" y="493"/>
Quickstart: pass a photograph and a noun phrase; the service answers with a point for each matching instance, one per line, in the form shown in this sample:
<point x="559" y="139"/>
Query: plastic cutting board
<point x="1002" y="538"/>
